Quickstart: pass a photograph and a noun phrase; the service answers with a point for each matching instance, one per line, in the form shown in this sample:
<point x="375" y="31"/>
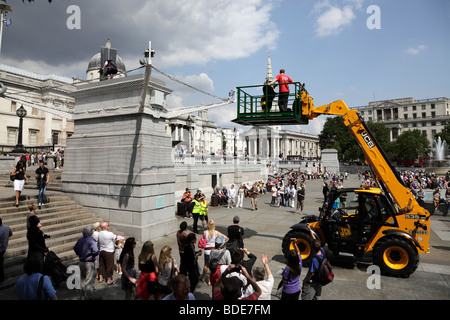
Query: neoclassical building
<point x="399" y="115"/>
<point x="49" y="104"/>
<point x="41" y="130"/>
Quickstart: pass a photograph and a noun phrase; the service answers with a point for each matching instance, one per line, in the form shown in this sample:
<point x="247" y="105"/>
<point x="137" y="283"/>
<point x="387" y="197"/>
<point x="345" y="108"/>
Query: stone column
<point x="117" y="162"/>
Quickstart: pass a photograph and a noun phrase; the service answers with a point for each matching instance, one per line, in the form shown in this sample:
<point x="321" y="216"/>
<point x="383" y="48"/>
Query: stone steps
<point x="61" y="218"/>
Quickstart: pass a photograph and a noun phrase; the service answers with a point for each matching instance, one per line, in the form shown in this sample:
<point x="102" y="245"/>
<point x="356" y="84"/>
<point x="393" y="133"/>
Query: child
<point x="117" y="252"/>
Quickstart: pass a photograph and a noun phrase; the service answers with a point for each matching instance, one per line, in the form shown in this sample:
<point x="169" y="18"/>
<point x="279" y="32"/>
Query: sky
<point x="355" y="50"/>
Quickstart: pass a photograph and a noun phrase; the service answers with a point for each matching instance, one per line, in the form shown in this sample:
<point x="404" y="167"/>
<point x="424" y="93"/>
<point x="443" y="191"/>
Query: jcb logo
<point x="367" y="139"/>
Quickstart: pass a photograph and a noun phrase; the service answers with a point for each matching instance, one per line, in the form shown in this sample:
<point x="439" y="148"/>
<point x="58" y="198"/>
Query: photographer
<point x="230" y="287"/>
<point x="291" y="274"/>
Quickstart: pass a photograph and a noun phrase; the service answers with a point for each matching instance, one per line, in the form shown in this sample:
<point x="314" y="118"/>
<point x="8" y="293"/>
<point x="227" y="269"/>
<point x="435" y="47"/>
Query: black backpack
<point x="324" y="275"/>
<point x="214" y="263"/>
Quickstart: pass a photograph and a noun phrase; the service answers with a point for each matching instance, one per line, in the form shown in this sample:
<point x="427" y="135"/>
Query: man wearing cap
<point x="87" y="250"/>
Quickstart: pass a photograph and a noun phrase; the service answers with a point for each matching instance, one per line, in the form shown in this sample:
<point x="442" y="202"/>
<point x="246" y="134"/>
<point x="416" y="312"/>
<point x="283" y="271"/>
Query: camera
<point x="46" y="236"/>
<point x="236" y="269"/>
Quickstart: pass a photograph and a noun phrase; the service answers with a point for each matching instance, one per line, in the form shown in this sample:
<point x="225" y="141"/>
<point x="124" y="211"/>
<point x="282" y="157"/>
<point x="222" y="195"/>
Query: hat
<point x="119" y="238"/>
<point x="220" y="241"/>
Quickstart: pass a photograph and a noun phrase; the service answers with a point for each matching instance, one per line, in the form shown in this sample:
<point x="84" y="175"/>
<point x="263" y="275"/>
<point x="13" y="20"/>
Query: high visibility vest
<point x="197" y="206"/>
<point x="204" y="208"/>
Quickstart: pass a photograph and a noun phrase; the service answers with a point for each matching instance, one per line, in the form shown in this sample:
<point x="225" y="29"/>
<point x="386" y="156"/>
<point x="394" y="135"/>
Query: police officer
<point x="196" y="210"/>
<point x="204" y="205"/>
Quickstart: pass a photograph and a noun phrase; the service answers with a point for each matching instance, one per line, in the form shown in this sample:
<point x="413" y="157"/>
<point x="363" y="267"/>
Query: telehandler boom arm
<point x="374" y="154"/>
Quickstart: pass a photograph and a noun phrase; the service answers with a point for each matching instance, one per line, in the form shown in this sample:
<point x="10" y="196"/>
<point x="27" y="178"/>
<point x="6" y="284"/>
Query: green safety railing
<point x="257" y="106"/>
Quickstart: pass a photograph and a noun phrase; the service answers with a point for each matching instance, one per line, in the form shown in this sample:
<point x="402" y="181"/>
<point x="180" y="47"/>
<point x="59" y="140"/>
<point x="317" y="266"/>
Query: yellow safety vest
<point x="204" y="208"/>
<point x="197" y="207"/>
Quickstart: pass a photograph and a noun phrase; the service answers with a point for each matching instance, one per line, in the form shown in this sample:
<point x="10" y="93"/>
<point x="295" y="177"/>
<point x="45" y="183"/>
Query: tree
<point x="410" y="145"/>
<point x="445" y="134"/>
<point x="336" y="135"/>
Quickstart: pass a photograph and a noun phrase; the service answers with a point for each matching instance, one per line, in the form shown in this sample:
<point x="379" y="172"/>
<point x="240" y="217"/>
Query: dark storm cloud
<point x="39" y="30"/>
<point x="182" y="31"/>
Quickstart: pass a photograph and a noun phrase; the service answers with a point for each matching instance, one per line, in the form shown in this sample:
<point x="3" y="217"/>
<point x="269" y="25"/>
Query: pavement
<point x="264" y="231"/>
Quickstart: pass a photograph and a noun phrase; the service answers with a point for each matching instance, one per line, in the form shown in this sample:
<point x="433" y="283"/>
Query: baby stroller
<point x="54" y="268"/>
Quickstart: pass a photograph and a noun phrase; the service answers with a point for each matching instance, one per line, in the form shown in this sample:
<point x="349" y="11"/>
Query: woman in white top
<point x="210" y="235"/>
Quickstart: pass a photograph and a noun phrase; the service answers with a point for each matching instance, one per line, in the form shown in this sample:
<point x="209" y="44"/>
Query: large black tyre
<point x="304" y="243"/>
<point x="396" y="257"/>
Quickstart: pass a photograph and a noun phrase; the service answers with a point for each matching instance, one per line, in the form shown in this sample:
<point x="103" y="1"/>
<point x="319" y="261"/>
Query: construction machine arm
<point x="374" y="154"/>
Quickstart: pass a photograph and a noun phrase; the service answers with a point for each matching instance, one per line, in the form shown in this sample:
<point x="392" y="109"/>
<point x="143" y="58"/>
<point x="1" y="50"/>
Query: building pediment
<point x="387" y="104"/>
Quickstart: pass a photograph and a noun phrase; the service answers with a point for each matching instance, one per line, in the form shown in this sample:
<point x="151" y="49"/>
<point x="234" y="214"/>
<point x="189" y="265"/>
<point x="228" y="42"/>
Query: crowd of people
<point x="33" y="158"/>
<point x="228" y="265"/>
<point x="417" y="181"/>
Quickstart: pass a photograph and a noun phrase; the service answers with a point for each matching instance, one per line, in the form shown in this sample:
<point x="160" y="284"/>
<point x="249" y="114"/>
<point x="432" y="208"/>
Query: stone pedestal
<point x="329" y="160"/>
<point x="117" y="162"/>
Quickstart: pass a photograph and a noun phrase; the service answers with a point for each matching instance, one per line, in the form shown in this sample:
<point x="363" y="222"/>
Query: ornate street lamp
<point x="21" y="113"/>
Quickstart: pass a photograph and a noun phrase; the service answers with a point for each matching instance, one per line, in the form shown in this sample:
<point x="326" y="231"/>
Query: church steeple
<point x="269" y="75"/>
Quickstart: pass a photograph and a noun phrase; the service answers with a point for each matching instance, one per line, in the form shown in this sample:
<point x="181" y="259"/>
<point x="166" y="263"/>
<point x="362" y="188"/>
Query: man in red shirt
<point x="283" y="95"/>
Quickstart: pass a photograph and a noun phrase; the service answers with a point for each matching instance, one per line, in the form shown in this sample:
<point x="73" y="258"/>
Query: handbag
<point x="202" y="242"/>
<point x="12" y="177"/>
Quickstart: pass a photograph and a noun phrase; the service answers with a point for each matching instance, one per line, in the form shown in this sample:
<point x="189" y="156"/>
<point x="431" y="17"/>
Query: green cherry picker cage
<point x="259" y="105"/>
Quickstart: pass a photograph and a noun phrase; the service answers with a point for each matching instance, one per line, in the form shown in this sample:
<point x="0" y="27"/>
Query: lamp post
<point x="21" y="113"/>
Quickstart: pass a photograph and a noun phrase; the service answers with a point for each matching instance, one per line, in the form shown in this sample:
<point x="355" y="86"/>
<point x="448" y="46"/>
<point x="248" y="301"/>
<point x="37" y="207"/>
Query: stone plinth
<point x="118" y="161"/>
<point x="329" y="160"/>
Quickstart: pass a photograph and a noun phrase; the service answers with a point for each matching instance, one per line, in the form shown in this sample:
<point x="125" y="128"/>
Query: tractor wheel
<point x="304" y="243"/>
<point x="396" y="257"/>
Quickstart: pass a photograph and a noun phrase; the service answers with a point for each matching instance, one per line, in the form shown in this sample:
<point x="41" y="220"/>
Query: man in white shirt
<point x="106" y="241"/>
<point x="231" y="197"/>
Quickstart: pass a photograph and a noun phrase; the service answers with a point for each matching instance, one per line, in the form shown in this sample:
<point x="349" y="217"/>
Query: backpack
<point x="324" y="275"/>
<point x="214" y="263"/>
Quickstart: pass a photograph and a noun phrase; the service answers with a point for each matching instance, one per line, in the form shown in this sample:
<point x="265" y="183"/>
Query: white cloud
<point x="183" y="96"/>
<point x="332" y="19"/>
<point x="223" y="115"/>
<point x="69" y="69"/>
<point x="415" y="50"/>
<point x="197" y="32"/>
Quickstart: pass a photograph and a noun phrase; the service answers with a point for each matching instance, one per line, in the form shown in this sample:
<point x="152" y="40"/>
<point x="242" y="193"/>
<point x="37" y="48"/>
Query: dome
<point x="95" y="63"/>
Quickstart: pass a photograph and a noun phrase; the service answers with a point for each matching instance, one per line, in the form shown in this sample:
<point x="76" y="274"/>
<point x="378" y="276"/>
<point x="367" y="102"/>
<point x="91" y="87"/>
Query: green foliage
<point x="337" y="136"/>
<point x="410" y="145"/>
<point x="445" y="134"/>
